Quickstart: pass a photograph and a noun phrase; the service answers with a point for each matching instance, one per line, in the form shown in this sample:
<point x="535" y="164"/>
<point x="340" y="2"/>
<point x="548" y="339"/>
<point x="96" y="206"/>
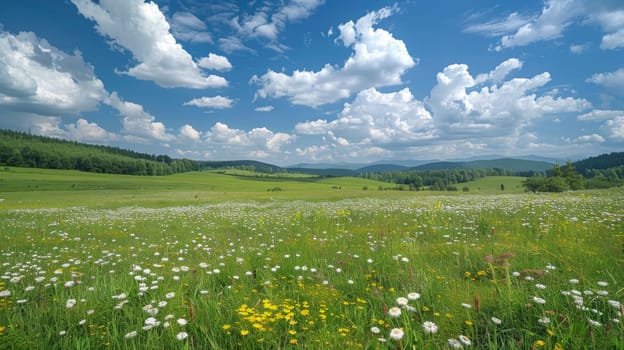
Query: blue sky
<point x="295" y="81"/>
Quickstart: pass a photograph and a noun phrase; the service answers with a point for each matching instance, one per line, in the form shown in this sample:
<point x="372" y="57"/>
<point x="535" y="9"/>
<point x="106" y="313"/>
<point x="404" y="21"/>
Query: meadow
<point x="214" y="261"/>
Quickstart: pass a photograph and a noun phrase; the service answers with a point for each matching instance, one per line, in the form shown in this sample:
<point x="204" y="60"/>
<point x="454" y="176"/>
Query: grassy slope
<point x="26" y="187"/>
<point x="492" y="184"/>
<point x="31" y="188"/>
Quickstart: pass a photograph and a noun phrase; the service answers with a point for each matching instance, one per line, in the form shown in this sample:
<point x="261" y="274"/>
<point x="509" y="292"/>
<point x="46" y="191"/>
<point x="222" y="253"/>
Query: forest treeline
<point x="436" y="180"/>
<point x="26" y="150"/>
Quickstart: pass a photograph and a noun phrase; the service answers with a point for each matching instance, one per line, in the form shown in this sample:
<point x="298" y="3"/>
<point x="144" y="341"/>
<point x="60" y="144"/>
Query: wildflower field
<point x="363" y="270"/>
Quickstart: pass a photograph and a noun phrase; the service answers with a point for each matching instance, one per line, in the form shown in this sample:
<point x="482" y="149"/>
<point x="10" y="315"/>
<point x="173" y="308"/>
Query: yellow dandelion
<point x="226" y="327"/>
<point x="293" y="341"/>
<point x="244" y="332"/>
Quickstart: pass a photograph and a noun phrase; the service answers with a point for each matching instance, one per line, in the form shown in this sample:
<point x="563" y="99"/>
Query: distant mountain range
<point x="397" y="165"/>
<point x="521" y="164"/>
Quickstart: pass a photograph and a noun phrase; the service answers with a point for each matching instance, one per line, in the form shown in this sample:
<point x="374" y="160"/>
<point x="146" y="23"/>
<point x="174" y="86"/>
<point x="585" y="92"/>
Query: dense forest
<point x="26" y="150"/>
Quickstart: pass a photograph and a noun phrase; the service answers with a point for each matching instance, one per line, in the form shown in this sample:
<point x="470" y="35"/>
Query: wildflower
<point x="539" y="300"/>
<point x="574" y="281"/>
<point x="375" y="330"/>
<point x="497" y="321"/>
<point x="396" y="334"/>
<point x="413" y="296"/>
<point x="62" y="333"/>
<point x="464" y="339"/>
<point x="131" y="334"/>
<point x="181" y="335"/>
<point x="170" y="295"/>
<point x="602" y="293"/>
<point x="467" y="306"/>
<point x="394" y="312"/>
<point x="594" y="323"/>
<point x="540" y="286"/>
<point x="244" y="332"/>
<point x="602" y="283"/>
<point x="539" y="343"/>
<point x="70" y="303"/>
<point x="544" y="320"/>
<point x="454" y="343"/>
<point x="21" y="301"/>
<point x="401" y="301"/>
<point x="182" y="322"/>
<point x="430" y="327"/>
<point x="5" y="293"/>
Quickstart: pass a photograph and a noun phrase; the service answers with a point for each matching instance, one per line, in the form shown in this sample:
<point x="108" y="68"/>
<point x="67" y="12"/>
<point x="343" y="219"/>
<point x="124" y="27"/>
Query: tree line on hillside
<point x="25" y="150"/>
<point x="561" y="179"/>
<point x="435" y="180"/>
<point x="567" y="178"/>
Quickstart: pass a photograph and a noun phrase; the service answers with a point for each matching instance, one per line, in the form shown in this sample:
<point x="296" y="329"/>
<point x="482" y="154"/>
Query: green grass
<point x="35" y="188"/>
<point x="318" y="265"/>
<point x="492" y="184"/>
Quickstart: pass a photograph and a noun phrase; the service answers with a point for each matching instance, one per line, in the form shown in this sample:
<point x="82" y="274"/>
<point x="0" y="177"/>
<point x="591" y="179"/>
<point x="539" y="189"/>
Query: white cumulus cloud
<point x="85" y="131"/>
<point x="36" y="77"/>
<point x="138" y="124"/>
<point x="615" y="128"/>
<point x="142" y="29"/>
<point x="613" y="121"/>
<point x="593" y="138"/>
<point x="376" y="118"/>
<point x="217" y="102"/>
<point x="240" y="143"/>
<point x="459" y="107"/>
<point x="611" y="80"/>
<point x="269" y="22"/>
<point x="264" y="109"/>
<point x="378" y="60"/>
<point x="215" y="62"/>
<point x="188" y="132"/>
<point x="601" y="114"/>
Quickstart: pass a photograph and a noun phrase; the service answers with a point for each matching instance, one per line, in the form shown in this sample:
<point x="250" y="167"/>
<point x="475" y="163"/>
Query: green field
<point x="214" y="261"/>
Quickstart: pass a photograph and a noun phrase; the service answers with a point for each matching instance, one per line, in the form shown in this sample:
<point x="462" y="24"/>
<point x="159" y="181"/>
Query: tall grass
<point x="497" y="272"/>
